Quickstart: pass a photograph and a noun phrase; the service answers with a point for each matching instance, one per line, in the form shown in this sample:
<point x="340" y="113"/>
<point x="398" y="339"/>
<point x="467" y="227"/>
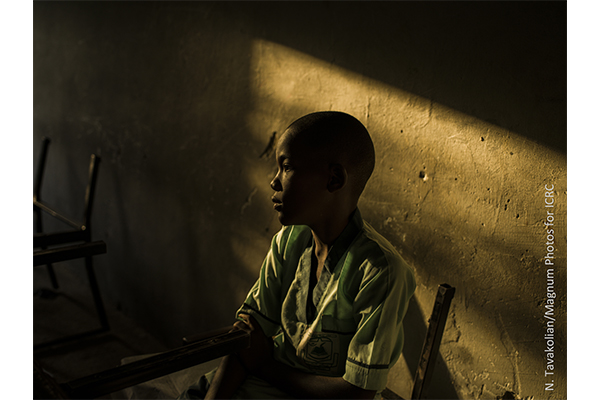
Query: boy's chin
<point x="286" y="219"/>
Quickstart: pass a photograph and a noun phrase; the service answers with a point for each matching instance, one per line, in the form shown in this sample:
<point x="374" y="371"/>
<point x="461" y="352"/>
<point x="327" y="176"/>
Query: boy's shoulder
<point x="378" y="252"/>
<point x="378" y="261"/>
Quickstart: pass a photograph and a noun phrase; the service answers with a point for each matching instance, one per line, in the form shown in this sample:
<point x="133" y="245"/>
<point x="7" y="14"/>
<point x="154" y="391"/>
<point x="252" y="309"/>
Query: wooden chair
<point x="78" y="232"/>
<point x="431" y="345"/>
<point x="219" y="343"/>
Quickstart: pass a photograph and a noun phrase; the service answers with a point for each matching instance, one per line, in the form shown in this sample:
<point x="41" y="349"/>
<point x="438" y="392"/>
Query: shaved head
<point x="337" y="137"/>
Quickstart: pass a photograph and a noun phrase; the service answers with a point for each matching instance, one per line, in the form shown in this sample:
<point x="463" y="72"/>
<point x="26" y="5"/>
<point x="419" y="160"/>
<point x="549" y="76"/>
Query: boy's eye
<point x="286" y="167"/>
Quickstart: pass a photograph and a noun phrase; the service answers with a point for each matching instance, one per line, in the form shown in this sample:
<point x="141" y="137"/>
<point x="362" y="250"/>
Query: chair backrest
<point x="431" y="345"/>
<point x="89" y="191"/>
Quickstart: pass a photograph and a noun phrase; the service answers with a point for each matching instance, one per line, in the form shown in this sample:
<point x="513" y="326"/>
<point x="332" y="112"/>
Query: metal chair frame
<point x="79" y="232"/>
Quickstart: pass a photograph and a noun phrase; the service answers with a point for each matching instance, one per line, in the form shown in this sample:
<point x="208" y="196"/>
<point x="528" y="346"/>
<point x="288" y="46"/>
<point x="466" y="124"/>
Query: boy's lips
<point x="277" y="203"/>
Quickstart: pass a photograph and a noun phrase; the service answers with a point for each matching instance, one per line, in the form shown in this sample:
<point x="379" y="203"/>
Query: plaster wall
<point x="466" y="106"/>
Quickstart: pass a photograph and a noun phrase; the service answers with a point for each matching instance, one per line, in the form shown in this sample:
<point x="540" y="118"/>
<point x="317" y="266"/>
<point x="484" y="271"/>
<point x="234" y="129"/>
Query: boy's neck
<point x="326" y="233"/>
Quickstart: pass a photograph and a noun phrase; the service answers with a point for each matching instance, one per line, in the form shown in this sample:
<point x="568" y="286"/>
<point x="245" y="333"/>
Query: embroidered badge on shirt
<point x="320" y="351"/>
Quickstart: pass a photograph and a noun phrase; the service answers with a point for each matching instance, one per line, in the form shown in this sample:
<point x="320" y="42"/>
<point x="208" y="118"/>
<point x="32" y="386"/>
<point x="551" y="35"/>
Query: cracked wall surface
<point x="466" y="104"/>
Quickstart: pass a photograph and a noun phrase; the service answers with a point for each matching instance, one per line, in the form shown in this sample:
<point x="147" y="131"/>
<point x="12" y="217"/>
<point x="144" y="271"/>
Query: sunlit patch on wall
<point x="458" y="196"/>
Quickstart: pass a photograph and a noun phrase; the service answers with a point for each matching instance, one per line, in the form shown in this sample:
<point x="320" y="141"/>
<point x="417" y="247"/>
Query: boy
<point x="326" y="313"/>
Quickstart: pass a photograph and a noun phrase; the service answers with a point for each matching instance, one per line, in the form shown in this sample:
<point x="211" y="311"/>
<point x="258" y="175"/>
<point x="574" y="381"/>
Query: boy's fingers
<point x="248" y="320"/>
<point x="239" y="325"/>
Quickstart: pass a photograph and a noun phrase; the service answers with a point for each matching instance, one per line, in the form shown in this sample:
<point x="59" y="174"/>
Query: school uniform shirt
<point x="350" y="323"/>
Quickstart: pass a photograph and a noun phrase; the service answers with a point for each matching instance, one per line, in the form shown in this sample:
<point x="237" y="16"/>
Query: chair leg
<point x="39" y="229"/>
<point x="52" y="276"/>
<point x="96" y="293"/>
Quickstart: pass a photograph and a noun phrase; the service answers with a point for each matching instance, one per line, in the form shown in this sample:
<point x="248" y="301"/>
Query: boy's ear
<point x="338" y="177"/>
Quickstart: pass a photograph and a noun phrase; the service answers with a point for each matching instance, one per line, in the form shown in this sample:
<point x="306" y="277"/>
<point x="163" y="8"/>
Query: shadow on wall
<point x="484" y="59"/>
<point x="162" y="97"/>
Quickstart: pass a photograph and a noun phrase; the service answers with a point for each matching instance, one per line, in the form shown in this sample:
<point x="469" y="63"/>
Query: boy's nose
<point x="275" y="184"/>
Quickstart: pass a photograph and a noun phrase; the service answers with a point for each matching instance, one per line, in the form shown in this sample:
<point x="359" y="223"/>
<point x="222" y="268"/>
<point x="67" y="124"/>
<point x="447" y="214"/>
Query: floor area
<point x="70" y="310"/>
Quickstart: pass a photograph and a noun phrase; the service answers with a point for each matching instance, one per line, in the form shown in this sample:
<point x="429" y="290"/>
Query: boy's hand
<point x="261" y="346"/>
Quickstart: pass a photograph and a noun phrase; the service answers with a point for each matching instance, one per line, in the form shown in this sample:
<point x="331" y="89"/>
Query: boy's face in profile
<point x="300" y="184"/>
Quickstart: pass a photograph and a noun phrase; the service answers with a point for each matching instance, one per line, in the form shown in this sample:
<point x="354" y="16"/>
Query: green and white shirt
<point x="351" y="326"/>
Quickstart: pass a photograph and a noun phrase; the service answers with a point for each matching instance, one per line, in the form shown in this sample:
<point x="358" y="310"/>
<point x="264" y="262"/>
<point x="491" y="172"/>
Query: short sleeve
<point x="380" y="306"/>
<point x="264" y="299"/>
